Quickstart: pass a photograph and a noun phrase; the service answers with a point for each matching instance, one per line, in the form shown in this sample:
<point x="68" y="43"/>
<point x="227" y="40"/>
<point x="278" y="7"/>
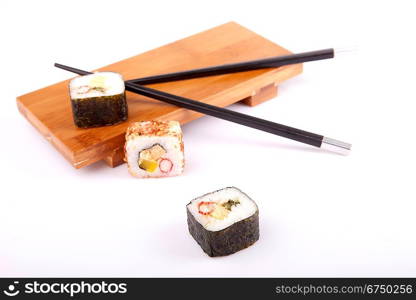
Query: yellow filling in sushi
<point x="220" y="212"/>
<point x="98" y="82"/>
<point x="148" y="165"/>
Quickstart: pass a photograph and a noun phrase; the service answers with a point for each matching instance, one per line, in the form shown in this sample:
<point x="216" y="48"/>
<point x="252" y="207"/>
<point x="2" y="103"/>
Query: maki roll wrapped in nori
<point x="223" y="222"/>
<point x="98" y="99"/>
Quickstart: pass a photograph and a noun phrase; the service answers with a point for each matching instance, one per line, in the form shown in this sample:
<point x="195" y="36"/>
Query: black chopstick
<point x="271" y="62"/>
<point x="232" y="116"/>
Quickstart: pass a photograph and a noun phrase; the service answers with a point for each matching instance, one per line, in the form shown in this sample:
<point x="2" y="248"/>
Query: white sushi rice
<point x="245" y="209"/>
<point x="110" y="84"/>
<point x="169" y="143"/>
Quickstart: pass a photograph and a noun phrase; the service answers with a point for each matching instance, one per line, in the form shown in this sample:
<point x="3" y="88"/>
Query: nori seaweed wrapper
<point x="227" y="241"/>
<point x="99" y="111"/>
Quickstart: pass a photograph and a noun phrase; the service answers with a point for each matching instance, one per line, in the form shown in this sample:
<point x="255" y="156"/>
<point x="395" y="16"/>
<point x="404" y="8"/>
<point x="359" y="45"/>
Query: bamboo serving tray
<point x="49" y="109"/>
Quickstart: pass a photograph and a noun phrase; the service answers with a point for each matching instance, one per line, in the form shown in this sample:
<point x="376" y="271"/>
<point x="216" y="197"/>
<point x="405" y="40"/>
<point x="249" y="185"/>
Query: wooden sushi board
<point x="49" y="109"/>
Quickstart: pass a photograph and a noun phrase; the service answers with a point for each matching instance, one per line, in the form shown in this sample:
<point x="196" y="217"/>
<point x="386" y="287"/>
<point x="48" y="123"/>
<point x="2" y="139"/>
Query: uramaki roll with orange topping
<point x="154" y="149"/>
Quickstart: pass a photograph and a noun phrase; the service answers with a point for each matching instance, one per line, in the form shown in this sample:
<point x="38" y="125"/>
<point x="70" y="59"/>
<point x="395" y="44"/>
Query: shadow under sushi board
<point x="49" y="109"/>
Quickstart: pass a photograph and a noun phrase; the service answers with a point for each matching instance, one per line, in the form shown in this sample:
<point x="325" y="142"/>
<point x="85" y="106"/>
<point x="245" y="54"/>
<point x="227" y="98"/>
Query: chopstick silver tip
<point x="352" y="49"/>
<point x="337" y="146"/>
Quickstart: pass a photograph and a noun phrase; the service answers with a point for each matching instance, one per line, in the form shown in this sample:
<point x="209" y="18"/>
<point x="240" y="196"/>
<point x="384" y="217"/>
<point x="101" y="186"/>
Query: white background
<point x="321" y="214"/>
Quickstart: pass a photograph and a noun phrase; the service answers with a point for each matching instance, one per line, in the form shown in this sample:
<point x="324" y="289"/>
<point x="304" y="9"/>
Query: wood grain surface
<point x="49" y="109"/>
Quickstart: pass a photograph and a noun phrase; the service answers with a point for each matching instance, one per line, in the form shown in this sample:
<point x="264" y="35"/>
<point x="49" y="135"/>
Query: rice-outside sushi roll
<point x="223" y="222"/>
<point x="154" y="149"/>
<point x="98" y="99"/>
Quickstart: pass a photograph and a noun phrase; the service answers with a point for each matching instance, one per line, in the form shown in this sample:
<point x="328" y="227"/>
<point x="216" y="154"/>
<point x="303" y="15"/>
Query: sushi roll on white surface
<point x="154" y="149"/>
<point x="98" y="99"/>
<point x="223" y="222"/>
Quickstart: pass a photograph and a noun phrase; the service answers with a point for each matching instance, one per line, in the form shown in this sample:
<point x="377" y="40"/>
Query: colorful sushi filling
<point x="152" y="158"/>
<point x="217" y="210"/>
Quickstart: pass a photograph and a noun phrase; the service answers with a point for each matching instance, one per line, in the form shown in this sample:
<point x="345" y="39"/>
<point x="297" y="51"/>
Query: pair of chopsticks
<point x="316" y="140"/>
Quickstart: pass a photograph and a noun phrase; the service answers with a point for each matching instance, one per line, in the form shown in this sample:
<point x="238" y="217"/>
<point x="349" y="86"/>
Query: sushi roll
<point x="154" y="149"/>
<point x="223" y="222"/>
<point x="98" y="99"/>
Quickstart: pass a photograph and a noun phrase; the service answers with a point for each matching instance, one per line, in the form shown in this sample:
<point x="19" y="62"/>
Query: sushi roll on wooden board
<point x="98" y="99"/>
<point x="154" y="149"/>
<point x="223" y="222"/>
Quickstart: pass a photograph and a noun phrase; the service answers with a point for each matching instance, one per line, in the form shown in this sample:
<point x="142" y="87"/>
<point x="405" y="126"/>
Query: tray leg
<point x="116" y="158"/>
<point x="259" y="96"/>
